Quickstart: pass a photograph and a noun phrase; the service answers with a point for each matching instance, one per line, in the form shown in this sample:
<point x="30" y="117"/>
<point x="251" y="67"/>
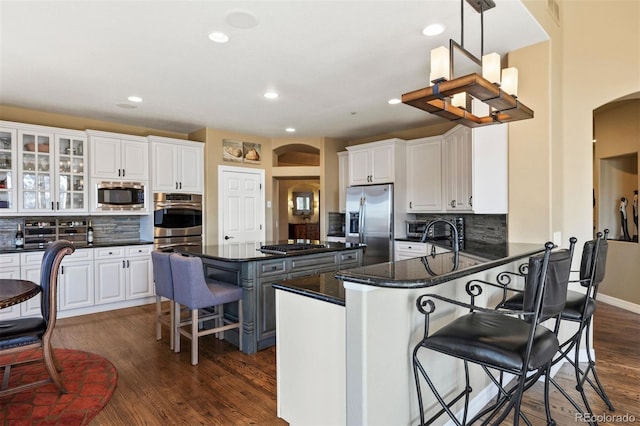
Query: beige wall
<point x="594" y="58"/>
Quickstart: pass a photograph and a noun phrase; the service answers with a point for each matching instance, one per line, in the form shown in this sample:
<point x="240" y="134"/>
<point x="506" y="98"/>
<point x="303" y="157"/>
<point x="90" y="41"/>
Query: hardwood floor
<point x="159" y="387"/>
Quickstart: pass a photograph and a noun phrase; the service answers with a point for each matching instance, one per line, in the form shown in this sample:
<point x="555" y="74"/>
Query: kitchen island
<point x="243" y="264"/>
<point x="351" y="348"/>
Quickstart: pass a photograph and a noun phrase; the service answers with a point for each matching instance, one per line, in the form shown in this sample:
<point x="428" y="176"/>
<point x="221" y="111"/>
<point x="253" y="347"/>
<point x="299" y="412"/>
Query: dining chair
<point x="164" y="288"/>
<point x="498" y="340"/>
<point x="192" y="290"/>
<point x="30" y="333"/>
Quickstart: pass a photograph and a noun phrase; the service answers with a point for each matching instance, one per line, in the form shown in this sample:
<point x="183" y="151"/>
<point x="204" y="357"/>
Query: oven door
<point x="176" y="219"/>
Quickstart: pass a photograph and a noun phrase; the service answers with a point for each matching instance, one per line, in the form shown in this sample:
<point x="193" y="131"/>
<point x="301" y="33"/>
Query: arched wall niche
<point x="296" y="155"/>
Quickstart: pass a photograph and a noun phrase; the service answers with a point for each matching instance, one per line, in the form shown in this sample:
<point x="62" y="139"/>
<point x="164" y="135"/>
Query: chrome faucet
<point x="454" y="233"/>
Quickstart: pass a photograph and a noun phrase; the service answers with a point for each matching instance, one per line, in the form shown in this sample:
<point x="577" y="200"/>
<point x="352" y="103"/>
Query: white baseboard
<point x="619" y="303"/>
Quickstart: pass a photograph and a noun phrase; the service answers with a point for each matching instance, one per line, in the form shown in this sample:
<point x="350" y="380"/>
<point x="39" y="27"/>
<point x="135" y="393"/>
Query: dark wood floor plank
<point x="227" y="387"/>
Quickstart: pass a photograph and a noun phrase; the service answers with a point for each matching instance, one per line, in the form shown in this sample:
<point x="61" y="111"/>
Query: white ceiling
<point x="334" y="63"/>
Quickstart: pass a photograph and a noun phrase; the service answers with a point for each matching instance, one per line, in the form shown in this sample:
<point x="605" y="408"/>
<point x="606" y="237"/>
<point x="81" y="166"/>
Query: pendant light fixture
<point x="451" y="98"/>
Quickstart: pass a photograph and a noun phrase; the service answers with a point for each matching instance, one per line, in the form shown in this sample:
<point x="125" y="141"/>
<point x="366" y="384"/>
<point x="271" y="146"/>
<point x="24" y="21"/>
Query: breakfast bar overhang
<point x="346" y="359"/>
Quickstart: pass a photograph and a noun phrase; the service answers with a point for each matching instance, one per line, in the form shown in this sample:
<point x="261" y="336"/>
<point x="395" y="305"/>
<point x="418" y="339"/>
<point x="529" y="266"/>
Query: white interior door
<point x="241" y="196"/>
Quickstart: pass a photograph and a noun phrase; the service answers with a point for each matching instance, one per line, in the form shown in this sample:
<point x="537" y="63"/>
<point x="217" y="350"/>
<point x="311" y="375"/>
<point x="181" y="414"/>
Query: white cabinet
<point x="376" y="162"/>
<point x="123" y="273"/>
<point x="343" y="180"/>
<point x="51" y="170"/>
<point x="10" y="268"/>
<point x="8" y="169"/>
<point x="30" y="265"/>
<point x="490" y="170"/>
<point x="176" y="166"/>
<point x="117" y="156"/>
<point x="457" y="169"/>
<point x="75" y="280"/>
<point x="409" y="249"/>
<point x="424" y="175"/>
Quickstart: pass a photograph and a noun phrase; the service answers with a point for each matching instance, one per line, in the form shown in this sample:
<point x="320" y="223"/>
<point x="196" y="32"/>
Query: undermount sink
<point x="288" y="248"/>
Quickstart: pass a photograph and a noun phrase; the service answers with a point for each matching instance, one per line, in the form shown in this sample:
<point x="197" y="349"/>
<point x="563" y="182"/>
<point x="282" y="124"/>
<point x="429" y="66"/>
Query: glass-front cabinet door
<point x="8" y="191"/>
<point x="70" y="174"/>
<point x="36" y="177"/>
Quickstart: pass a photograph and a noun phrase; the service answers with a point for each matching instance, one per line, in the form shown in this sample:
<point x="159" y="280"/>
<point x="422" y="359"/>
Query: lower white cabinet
<point x="410" y="249"/>
<point x="88" y="277"/>
<point x="123" y="273"/>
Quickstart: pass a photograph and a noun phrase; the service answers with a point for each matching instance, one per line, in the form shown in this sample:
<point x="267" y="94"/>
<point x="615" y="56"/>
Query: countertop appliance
<point x="177" y="219"/>
<point x="369" y="220"/>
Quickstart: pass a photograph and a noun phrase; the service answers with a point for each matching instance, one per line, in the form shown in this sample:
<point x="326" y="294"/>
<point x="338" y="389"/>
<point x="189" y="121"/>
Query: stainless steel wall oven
<point x="177" y="219"/>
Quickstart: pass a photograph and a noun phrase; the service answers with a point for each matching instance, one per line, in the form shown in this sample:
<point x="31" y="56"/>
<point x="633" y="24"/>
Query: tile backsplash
<point x="486" y="228"/>
<point x="105" y="228"/>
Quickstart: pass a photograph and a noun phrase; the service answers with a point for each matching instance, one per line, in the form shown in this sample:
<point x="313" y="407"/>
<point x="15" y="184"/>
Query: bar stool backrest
<point x="593" y="263"/>
<point x="553" y="284"/>
<point x="162" y="273"/>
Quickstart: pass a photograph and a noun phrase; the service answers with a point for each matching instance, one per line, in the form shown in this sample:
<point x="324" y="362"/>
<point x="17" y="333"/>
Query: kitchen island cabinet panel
<point x="256" y="272"/>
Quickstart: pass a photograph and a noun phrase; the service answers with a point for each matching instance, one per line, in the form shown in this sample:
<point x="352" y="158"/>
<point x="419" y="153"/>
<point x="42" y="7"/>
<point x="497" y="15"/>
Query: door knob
<point x="226" y="237"/>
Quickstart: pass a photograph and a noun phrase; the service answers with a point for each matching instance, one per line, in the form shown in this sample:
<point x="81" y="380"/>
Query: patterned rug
<point x="89" y="378"/>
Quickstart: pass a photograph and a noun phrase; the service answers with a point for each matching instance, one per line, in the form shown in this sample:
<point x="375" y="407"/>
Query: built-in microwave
<point x="120" y="196"/>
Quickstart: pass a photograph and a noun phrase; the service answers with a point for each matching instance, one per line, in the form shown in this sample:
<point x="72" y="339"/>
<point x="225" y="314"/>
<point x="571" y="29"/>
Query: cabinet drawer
<point x="10" y="260"/>
<point x="106" y="253"/>
<point x="31" y="258"/>
<point x="413" y="247"/>
<point x="272" y="267"/>
<point x="79" y="255"/>
<point x="139" y="250"/>
<point x="349" y="257"/>
<point x="313" y="262"/>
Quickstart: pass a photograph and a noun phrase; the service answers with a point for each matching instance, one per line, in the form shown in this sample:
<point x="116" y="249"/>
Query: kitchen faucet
<point x="454" y="233"/>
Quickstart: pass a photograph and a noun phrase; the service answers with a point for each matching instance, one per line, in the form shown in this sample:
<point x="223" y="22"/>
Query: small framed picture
<point x="252" y="152"/>
<point x="232" y="150"/>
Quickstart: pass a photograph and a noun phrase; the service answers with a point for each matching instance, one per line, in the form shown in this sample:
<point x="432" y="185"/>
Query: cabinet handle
<point x="62" y="270"/>
<point x="180" y="185"/>
<point x="127" y="263"/>
<point x="57" y="205"/>
<point x="453" y="204"/>
<point x="123" y="265"/>
<point x="122" y="172"/>
<point x="410" y="204"/>
<point x="119" y="172"/>
<point x="176" y="185"/>
<point x="433" y="251"/>
<point x="52" y="206"/>
<point x="471" y="201"/>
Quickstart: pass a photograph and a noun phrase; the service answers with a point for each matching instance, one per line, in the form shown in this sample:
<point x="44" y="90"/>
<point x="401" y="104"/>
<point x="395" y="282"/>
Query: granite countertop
<point x="79" y="245"/>
<point x="418" y="272"/>
<point x="247" y="252"/>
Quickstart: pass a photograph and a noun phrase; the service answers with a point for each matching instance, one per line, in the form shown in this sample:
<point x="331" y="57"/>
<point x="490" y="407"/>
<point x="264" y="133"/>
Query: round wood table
<point x="16" y="291"/>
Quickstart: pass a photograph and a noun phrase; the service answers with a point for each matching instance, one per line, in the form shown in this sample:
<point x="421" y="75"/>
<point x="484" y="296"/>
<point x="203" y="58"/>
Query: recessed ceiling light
<point x="394" y="101"/>
<point x="241" y="19"/>
<point x="218" y="37"/>
<point x="136" y="99"/>
<point x="271" y="95"/>
<point x="433" y="30"/>
<point x="290" y="129"/>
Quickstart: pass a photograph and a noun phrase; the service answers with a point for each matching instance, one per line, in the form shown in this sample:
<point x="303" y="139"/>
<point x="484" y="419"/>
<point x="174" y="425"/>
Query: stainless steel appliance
<point x="415" y="229"/>
<point x="370" y="221"/>
<point x="177" y="219"/>
<point x="120" y="196"/>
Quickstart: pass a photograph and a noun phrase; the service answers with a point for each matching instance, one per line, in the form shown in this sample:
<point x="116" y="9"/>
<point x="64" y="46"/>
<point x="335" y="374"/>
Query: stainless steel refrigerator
<point x="369" y="220"/>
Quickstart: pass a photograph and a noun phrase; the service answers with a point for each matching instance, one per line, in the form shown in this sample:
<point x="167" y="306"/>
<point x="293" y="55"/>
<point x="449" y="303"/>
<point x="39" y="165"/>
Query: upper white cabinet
<point x="464" y="170"/>
<point x="176" y="165"/>
<point x="376" y="162"/>
<point x="424" y="175"/>
<point x="343" y="180"/>
<point x="42" y="169"/>
<point x="457" y="170"/>
<point x="117" y="156"/>
<point x="8" y="169"/>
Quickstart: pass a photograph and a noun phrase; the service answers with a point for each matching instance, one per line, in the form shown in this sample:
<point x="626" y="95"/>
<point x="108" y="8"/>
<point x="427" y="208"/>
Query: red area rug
<point x="89" y="378"/>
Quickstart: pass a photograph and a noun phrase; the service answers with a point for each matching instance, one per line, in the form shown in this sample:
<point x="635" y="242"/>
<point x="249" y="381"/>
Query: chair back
<point x="189" y="285"/>
<point x="49" y="278"/>
<point x="594" y="261"/>
<point x="162" y="273"/>
<point x="545" y="290"/>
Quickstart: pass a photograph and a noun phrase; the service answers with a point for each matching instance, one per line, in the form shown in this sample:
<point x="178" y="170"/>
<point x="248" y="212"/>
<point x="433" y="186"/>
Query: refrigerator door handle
<point x="361" y="225"/>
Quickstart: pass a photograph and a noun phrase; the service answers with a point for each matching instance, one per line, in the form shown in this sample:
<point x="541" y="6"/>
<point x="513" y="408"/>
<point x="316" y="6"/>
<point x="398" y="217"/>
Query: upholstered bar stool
<point x="192" y="290"/>
<point x="164" y="288"/>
